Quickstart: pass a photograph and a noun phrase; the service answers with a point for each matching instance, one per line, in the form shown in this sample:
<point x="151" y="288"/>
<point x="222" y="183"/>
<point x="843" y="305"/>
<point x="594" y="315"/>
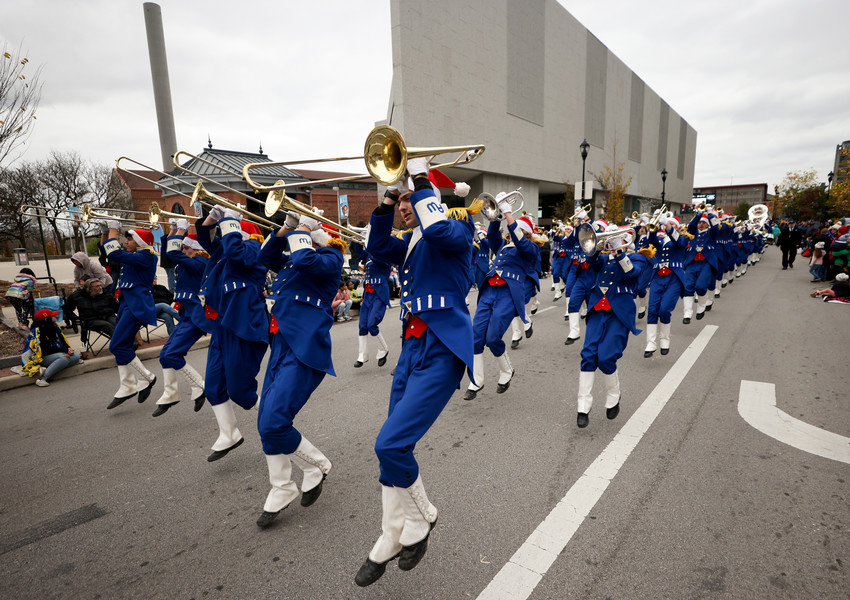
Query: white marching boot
<point x="383" y="350"/>
<point x="641" y="302"/>
<point x="535" y="304"/>
<point x="170" y="392"/>
<point x="143" y="373"/>
<point x="528" y="327"/>
<point x="477" y="375"/>
<point x="388" y="546"/>
<point x="688" y="302"/>
<point x="651" y="335"/>
<point x="506" y="373"/>
<point x="315" y="466"/>
<point x="701" y="307"/>
<point x="362" y="351"/>
<point x="128" y="387"/>
<point x="229" y="436"/>
<point x="575" y="328"/>
<point x="612" y="395"/>
<point x="516" y="332"/>
<point x="197" y="384"/>
<point x="567" y="309"/>
<point x="585" y="396"/>
<point x="283" y="491"/>
<point x="664" y="338"/>
<point x="558" y="293"/>
<point x="420" y="516"/>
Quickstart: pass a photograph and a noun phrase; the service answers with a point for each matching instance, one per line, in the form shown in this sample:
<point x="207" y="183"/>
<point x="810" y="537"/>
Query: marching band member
<point x="232" y="293"/>
<point x="373" y="307"/>
<point x="641" y="245"/>
<point x="191" y="261"/>
<point x="306" y="283"/>
<point x="434" y="267"/>
<point x="522" y="326"/>
<point x="583" y="286"/>
<point x="569" y="270"/>
<point x="481" y="257"/>
<point x="610" y="318"/>
<point x="502" y="297"/>
<point x="667" y="285"/>
<point x="138" y="268"/>
<point x="700" y="263"/>
<point x="560" y="261"/>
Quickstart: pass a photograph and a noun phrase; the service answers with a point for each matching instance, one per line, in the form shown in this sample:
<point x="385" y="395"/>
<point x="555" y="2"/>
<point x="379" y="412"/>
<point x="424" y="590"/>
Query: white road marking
<point x="543" y="310"/>
<point x="518" y="578"/>
<point x="757" y="406"/>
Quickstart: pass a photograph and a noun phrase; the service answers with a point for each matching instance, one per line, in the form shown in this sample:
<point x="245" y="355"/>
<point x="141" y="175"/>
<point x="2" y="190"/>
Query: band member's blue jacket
<point x="513" y="261"/>
<point x="188" y="275"/>
<point x="135" y="281"/>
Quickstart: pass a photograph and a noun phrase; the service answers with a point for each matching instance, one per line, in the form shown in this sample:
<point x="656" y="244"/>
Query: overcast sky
<point x="765" y="83"/>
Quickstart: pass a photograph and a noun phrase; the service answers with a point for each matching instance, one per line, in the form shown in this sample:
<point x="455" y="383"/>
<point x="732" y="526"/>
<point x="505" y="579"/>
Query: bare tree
<point x="19" y="98"/>
<point x="17" y="187"/>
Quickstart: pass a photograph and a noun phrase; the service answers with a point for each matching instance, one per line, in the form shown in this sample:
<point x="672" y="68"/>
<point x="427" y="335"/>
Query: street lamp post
<point x="663" y="185"/>
<point x="584" y="146"/>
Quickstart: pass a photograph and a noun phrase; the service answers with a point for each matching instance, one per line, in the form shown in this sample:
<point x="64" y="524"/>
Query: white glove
<point x="505" y="207"/>
<point x="417" y="166"/>
<point x="291" y="221"/>
<point x="172" y="221"/>
<point x="183" y="224"/>
<point x="216" y="213"/>
<point x="399" y="187"/>
<point x="230" y="213"/>
<point x="309" y="222"/>
<point x="113" y="224"/>
<point x="662" y="219"/>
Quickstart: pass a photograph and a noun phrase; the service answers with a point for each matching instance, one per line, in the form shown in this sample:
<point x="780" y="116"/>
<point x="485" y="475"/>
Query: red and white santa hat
<point x="525" y="224"/>
<point x="142" y="237"/>
<point x="439" y="180"/>
<point x="600" y="225"/>
<point x="674" y="221"/>
<point x="704" y="217"/>
<point x="191" y="241"/>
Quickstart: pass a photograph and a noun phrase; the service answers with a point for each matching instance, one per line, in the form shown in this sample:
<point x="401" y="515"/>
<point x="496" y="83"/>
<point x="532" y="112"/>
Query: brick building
<point x="728" y="197"/>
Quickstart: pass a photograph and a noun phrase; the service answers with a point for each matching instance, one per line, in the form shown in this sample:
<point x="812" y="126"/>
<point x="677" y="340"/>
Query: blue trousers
<point x="605" y="341"/>
<point x="480" y="276"/>
<point x="557" y="268"/>
<point x="372" y="311"/>
<point x="425" y="378"/>
<point x="570" y="280"/>
<point x="184" y="336"/>
<point x="493" y="316"/>
<point x="698" y="277"/>
<point x="121" y="343"/>
<point x="232" y="368"/>
<point x="581" y="292"/>
<point x="664" y="294"/>
<point x="286" y="389"/>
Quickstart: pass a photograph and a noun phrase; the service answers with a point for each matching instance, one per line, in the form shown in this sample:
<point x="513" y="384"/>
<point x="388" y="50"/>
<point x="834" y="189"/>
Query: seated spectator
<point x="20" y="296"/>
<point x="96" y="309"/>
<point x="163" y="298"/>
<point x="84" y="266"/>
<point x="355" y="295"/>
<point x="46" y="348"/>
<point x="341" y="304"/>
<point x="840" y="289"/>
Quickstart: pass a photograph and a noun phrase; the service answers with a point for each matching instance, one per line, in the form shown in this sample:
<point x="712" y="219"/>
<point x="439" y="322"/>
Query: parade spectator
<point x="20" y="296"/>
<point x="46" y="348"/>
<point x="84" y="266"/>
<point x="816" y="266"/>
<point x="97" y="310"/>
<point x="840" y="288"/>
<point x="839" y="256"/>
<point x="342" y="302"/>
<point x="163" y="298"/>
<point x="789" y="240"/>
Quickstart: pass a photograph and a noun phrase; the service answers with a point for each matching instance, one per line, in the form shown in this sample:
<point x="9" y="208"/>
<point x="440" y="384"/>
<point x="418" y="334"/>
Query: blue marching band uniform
<point x="193" y="325"/>
<point x="581" y="284"/>
<point x="521" y="326"/>
<point x="373" y="307"/>
<point x="667" y="284"/>
<point x="138" y="269"/>
<point x="700" y="263"/>
<point x="480" y="258"/>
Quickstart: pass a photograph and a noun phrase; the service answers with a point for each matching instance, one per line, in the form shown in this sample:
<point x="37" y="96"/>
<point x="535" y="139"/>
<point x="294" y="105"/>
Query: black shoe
<point x="583" y="316"/>
<point x="514" y="344"/>
<point x="641" y="314"/>
<point x="143" y="395"/>
<point x="199" y="401"/>
<point x="383" y="360"/>
<point x="783" y="268"/>
<point x="570" y="340"/>
<point x="708" y="307"/>
<point x="370" y="572"/>
<point x="357" y="364"/>
<point x="470" y="394"/>
<point x="791" y="265"/>
<point x="686" y="320"/>
<point x="665" y="351"/>
<point x="566" y="317"/>
<point x="582" y="420"/>
<point x="648" y="353"/>
<point x="161" y="409"/>
<point x="722" y="285"/>
<point x="612" y="412"/>
<point x="310" y="496"/>
<point x="118" y="401"/>
<point x="533" y="311"/>
<point x="221" y="453"/>
<point x="410" y="556"/>
<point x="700" y="316"/>
<point x="501" y="388"/>
<point x="266" y="518"/>
<point x="530" y="332"/>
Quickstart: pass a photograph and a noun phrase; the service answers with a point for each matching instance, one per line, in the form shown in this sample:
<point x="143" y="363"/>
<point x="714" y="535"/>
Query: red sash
<point x="176" y="306"/>
<point x="699" y="256"/>
<point x="368" y="289"/>
<point x="602" y="304"/>
<point x="210" y="312"/>
<point x="494" y="280"/>
<point x="664" y="272"/>
<point x="273" y="328"/>
<point x="585" y="265"/>
<point x="562" y="253"/>
<point x="415" y="327"/>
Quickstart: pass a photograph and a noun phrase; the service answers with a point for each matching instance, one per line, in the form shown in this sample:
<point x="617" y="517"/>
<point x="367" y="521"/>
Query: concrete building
<point x="526" y="79"/>
<point x="841" y="169"/>
<point x="728" y="197"/>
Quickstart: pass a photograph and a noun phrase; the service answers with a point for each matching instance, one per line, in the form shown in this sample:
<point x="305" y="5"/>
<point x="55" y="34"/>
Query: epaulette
<point x="202" y="253"/>
<point x="151" y="250"/>
<point x="687" y="234"/>
<point x="648" y="251"/>
<point x="400" y="234"/>
<point x="257" y="238"/>
<point x="337" y="243"/>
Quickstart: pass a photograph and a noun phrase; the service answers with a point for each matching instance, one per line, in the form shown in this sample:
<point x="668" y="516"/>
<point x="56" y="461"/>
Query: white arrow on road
<point x="757" y="406"/>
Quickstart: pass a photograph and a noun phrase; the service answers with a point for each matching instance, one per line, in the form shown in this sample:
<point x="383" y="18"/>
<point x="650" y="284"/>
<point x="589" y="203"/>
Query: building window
<point x="178" y="208"/>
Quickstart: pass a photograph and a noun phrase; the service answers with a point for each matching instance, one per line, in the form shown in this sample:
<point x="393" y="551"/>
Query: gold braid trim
<point x="400" y="234"/>
<point x="257" y="238"/>
<point x="337" y="243"/>
<point x="648" y="252"/>
<point x="687" y="234"/>
<point x="203" y="253"/>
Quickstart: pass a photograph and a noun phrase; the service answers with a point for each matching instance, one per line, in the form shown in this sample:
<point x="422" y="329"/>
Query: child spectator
<point x="20" y="295"/>
<point x="840" y="289"/>
<point x="46" y="348"/>
<point x="816" y="266"/>
<point x="342" y="302"/>
<point x="162" y="298"/>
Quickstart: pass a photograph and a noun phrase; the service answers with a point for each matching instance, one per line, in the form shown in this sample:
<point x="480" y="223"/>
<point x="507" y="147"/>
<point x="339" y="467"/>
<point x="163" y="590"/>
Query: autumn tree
<point x="802" y="196"/>
<point x="612" y="179"/>
<point x="19" y="97"/>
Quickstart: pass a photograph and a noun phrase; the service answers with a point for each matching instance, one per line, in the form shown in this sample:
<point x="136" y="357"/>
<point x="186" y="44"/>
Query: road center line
<point x="526" y="568"/>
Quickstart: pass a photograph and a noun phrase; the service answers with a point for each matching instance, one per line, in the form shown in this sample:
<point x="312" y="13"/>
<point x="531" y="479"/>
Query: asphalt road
<point x="116" y="504"/>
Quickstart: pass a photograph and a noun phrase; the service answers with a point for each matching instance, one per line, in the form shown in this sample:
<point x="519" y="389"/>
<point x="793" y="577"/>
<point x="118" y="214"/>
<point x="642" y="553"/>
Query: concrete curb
<point x="11" y="381"/>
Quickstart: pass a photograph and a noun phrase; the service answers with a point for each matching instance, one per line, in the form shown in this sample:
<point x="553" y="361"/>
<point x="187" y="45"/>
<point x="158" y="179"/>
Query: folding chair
<point x="93" y="341"/>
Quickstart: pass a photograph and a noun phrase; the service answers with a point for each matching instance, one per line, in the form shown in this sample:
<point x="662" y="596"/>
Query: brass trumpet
<point x="386" y="156"/>
<point x="654" y="221"/>
<point x="584" y="209"/>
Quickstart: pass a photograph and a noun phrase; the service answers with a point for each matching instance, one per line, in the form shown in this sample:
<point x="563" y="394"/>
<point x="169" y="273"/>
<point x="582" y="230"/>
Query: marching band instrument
<point x="703" y="207"/>
<point x="591" y="242"/>
<point x="758" y="214"/>
<point x="386" y="156"/>
<point x="87" y="214"/>
<point x="653" y="223"/>
<point x="491" y="209"/>
<point x="155" y="214"/>
<point x="207" y="198"/>
<point x="584" y="209"/>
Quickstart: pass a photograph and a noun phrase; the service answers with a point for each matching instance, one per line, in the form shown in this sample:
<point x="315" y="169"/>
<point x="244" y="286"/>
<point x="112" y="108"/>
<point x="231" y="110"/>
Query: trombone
<point x="86" y="215"/>
<point x="275" y="199"/>
<point x="584" y="209"/>
<point x="386" y="156"/>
